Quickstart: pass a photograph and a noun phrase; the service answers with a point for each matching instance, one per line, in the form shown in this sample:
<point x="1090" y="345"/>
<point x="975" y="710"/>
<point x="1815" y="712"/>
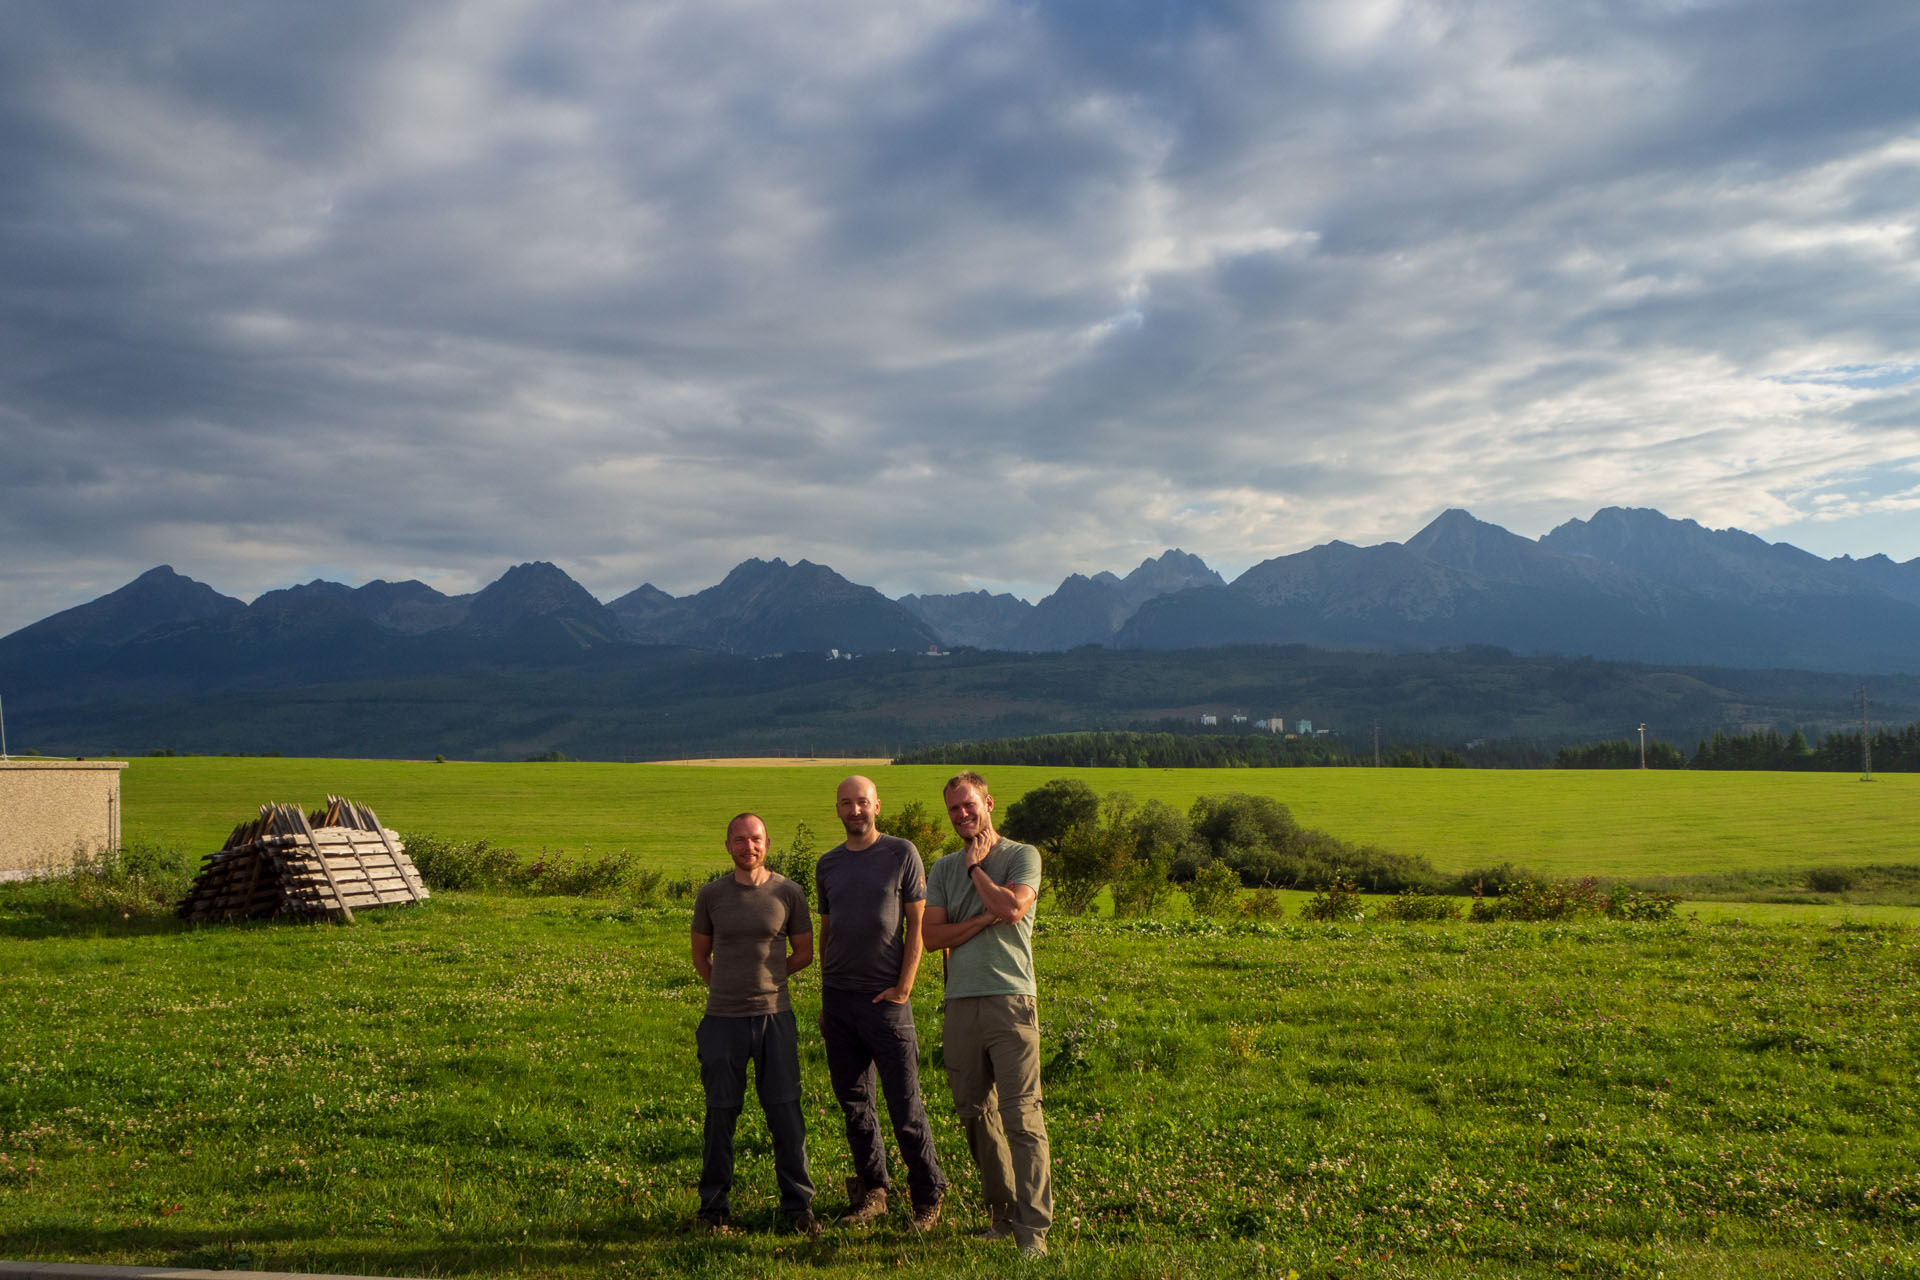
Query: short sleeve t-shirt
<point x="863" y="894"/>
<point x="749" y="925"/>
<point x="998" y="960"/>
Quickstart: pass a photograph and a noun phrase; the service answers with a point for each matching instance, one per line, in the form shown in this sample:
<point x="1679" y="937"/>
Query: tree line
<point x="1894" y="751"/>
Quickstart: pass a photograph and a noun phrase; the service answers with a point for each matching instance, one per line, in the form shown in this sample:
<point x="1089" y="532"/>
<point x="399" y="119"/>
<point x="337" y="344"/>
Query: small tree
<point x="1044" y="815"/>
<point x="1214" y="890"/>
<point x="797" y="860"/>
<point x="915" y="822"/>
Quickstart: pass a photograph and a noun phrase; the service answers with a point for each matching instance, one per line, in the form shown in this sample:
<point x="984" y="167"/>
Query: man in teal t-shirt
<point x="980" y="910"/>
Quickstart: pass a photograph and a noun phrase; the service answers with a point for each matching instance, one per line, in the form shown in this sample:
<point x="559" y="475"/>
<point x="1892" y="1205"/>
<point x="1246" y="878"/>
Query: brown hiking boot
<point x="924" y="1216"/>
<point x="864" y="1203"/>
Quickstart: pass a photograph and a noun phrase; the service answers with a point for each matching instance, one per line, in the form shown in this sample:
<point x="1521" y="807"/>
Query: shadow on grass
<point x="670" y="1244"/>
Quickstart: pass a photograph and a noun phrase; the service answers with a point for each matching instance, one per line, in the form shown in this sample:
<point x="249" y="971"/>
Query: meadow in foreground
<point x="504" y="1085"/>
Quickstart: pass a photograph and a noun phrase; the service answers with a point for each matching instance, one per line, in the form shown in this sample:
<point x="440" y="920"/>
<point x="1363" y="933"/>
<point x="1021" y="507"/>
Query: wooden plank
<point x="299" y="815"/>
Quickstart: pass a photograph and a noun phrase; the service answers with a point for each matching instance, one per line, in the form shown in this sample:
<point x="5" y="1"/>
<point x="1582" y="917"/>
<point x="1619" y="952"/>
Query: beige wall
<point x="51" y="809"/>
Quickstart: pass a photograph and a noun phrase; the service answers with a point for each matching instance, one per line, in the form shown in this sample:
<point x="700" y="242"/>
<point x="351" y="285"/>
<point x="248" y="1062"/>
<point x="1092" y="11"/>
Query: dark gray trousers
<point x="861" y="1038"/>
<point x="772" y="1044"/>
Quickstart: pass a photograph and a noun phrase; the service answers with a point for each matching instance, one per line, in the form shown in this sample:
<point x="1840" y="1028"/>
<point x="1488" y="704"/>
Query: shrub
<point x="915" y="822"/>
<point x="1411" y="905"/>
<point x="797" y="860"/>
<point x="1213" y="890"/>
<point x="142" y="879"/>
<point x="461" y="864"/>
<point x="1338" y="901"/>
<point x="1493" y="880"/>
<point x="1142" y="889"/>
<point x="1830" y="880"/>
<point x="1086" y="859"/>
<point x="1552" y="900"/>
<point x="1263" y="904"/>
<point x="1628" y="903"/>
<point x="481" y="864"/>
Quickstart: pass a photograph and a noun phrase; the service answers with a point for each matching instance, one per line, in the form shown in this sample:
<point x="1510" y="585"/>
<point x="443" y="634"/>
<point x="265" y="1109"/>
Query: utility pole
<point x="1866" y="740"/>
<point x="1643" y="746"/>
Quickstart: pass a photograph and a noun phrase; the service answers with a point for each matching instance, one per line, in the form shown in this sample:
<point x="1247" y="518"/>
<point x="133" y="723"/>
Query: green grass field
<point x="1558" y="822"/>
<point x="505" y="1086"/>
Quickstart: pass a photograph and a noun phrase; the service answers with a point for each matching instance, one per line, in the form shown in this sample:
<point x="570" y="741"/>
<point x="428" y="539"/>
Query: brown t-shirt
<point x="750" y="926"/>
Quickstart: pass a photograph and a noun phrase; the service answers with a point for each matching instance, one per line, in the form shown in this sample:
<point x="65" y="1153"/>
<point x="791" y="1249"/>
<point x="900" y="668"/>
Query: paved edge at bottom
<point x="93" y="1271"/>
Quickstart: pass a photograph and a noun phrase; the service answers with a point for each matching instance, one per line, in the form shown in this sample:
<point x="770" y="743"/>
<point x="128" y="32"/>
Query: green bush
<point x="1411" y="905"/>
<point x="1830" y="880"/>
<point x="1338" y="901"/>
<point x="1214" y="890"/>
<point x="481" y="865"/>
<point x="1628" y="903"/>
<point x="1142" y="889"/>
<point x="141" y="880"/>
<point x="1263" y="904"/>
<point x="797" y="861"/>
<point x="1552" y="900"/>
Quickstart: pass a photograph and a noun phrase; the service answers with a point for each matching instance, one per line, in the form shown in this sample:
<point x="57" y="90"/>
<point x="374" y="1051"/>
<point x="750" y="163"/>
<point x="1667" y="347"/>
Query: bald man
<point x="872" y="891"/>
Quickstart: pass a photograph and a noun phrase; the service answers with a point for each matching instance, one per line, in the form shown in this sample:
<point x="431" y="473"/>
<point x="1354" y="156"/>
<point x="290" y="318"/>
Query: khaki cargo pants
<point x="992" y="1048"/>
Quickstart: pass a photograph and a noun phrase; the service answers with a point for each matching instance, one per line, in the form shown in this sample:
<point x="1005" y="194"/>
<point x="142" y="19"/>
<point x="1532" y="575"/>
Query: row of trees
<point x="1894" y="751"/>
<point x="1129" y="749"/>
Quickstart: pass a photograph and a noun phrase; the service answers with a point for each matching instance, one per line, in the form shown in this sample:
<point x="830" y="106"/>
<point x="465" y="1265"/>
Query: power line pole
<point x="1866" y="740"/>
<point x="1643" y="746"/>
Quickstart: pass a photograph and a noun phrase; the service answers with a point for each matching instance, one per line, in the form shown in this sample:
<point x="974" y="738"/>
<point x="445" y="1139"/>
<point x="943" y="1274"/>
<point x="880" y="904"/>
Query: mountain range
<point x="1629" y="584"/>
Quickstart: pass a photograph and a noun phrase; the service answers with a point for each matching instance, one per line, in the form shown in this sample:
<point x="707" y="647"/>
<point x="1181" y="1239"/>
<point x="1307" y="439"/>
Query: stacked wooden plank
<point x="286" y="862"/>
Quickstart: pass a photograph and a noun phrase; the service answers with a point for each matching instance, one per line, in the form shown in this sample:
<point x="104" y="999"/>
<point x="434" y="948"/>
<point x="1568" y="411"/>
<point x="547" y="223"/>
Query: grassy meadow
<point x="504" y="1084"/>
<point x="1557" y="822"/>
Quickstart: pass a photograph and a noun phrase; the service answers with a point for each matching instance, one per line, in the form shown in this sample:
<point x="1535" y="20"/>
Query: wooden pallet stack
<point x="285" y="862"/>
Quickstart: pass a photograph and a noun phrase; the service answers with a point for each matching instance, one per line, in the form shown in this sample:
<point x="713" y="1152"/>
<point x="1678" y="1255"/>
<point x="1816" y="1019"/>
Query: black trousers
<point x="772" y="1044"/>
<point x="864" y="1039"/>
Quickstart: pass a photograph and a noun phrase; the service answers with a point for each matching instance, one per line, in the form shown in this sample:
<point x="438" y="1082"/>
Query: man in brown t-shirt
<point x="750" y="930"/>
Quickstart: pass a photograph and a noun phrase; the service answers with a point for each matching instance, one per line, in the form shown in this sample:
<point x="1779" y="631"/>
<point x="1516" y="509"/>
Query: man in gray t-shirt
<point x="750" y="930"/>
<point x="872" y="892"/>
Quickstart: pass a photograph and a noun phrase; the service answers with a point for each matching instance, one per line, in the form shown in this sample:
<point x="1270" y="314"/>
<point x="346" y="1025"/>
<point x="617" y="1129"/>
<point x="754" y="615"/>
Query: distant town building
<point x="1239" y="719"/>
<point x="1303" y="727"/>
<point x="1209" y="719"/>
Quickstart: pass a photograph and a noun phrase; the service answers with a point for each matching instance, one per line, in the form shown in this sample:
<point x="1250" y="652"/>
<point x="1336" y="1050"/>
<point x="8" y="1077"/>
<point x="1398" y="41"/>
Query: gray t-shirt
<point x="998" y="960"/>
<point x="862" y="895"/>
<point x="750" y="925"/>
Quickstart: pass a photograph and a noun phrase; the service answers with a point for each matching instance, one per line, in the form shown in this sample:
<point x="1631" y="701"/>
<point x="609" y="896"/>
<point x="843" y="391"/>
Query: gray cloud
<point x="945" y="295"/>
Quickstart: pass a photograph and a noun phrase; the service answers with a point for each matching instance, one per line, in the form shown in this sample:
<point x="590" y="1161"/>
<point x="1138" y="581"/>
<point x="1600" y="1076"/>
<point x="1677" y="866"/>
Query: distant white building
<point x="1209" y="719"/>
<point x="1303" y="727"/>
<point x="1239" y="719"/>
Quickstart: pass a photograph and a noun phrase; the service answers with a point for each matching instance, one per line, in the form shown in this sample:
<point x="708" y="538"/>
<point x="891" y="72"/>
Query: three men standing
<point x="980" y="905"/>
<point x="750" y="931"/>
<point x="878" y="909"/>
<point x="872" y="891"/>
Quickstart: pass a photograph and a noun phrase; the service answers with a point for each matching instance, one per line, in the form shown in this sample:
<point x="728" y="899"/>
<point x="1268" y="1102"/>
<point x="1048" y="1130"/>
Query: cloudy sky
<point x="945" y="294"/>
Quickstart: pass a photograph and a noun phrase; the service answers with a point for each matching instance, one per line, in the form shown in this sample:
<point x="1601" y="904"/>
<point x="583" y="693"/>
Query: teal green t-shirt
<point x="998" y="961"/>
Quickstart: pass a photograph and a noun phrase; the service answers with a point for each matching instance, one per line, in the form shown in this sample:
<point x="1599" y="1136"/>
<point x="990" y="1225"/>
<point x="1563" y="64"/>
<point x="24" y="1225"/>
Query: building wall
<point x="53" y="810"/>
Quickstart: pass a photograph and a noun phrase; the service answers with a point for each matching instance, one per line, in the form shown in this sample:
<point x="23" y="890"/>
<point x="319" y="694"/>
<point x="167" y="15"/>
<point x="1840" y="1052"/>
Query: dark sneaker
<point x="805" y="1224"/>
<point x="706" y="1226"/>
<point x="924" y="1216"/>
<point x="864" y="1204"/>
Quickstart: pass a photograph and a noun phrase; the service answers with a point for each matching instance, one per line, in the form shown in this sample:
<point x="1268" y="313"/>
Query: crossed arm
<point x="1000" y="904"/>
